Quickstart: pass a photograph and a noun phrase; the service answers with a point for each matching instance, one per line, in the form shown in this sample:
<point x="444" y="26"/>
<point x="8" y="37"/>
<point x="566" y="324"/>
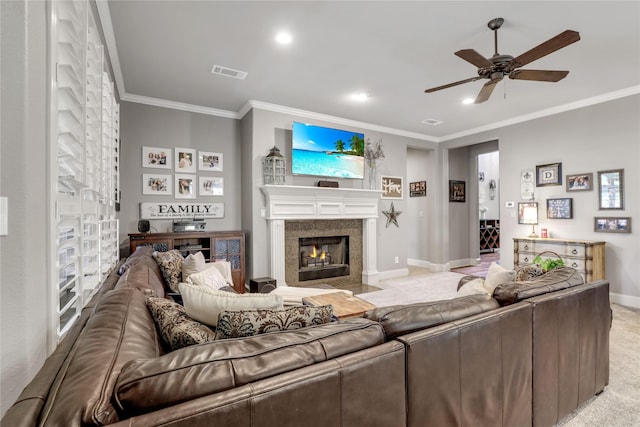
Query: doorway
<point x="489" y="205"/>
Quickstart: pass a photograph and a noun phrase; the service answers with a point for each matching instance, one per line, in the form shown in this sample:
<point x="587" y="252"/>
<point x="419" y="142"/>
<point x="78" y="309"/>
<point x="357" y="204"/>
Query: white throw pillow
<point x="204" y="304"/>
<point x="497" y="275"/>
<point x="192" y="264"/>
<point x="224" y="267"/>
<point x="209" y="277"/>
<point x="473" y="287"/>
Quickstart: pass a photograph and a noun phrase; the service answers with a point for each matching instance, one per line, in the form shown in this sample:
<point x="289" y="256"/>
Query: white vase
<point x="372" y="177"/>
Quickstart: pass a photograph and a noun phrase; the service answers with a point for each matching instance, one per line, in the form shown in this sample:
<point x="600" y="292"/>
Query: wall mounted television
<point x="327" y="152"/>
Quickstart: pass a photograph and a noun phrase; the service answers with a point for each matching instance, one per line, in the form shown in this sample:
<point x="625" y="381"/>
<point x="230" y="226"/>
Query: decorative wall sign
<point x="457" y="191"/>
<point x="153" y="157"/>
<point x="158" y="210"/>
<point x="155" y="184"/>
<point x="392" y="215"/>
<point x="418" y="189"/>
<point x="527" y="184"/>
<point x="613" y="224"/>
<point x="550" y="174"/>
<point x="560" y="208"/>
<point x="391" y="187"/>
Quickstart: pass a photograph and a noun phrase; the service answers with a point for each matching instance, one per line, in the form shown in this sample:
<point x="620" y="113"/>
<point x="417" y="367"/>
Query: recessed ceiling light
<point x="468" y="101"/>
<point x="360" y="96"/>
<point x="284" y="38"/>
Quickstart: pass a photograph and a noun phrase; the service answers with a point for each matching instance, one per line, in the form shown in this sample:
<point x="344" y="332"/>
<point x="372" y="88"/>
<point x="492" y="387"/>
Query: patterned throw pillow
<point x="246" y="323"/>
<point x="170" y="263"/>
<point x="176" y="328"/>
<point x="528" y="272"/>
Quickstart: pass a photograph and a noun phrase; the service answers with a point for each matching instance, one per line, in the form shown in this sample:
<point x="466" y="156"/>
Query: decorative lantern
<point x="274" y="167"/>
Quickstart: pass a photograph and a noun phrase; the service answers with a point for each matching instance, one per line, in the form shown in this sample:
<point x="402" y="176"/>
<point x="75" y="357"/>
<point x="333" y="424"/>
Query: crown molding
<point x="633" y="90"/>
<point x="139" y="99"/>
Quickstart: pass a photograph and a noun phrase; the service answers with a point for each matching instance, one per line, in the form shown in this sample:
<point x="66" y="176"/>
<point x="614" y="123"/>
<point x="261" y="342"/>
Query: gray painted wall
<point x="590" y="139"/>
<point x="419" y="216"/>
<point x="149" y="126"/>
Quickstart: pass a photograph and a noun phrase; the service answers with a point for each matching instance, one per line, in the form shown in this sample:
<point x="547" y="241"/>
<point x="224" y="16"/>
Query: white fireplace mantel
<point x="287" y="202"/>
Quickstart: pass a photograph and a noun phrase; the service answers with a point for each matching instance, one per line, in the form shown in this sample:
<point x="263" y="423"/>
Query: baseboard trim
<point x="435" y="268"/>
<point x="465" y="262"/>
<point x="626" y="300"/>
<point x="392" y="274"/>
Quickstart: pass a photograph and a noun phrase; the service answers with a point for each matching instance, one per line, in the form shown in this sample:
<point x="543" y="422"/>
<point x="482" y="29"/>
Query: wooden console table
<point x="216" y="246"/>
<point x="585" y="256"/>
<point x="344" y="306"/>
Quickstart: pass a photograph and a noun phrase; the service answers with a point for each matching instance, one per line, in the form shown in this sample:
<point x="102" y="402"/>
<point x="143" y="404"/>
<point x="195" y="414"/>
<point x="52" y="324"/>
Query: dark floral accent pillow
<point x="170" y="263"/>
<point x="176" y="328"/>
<point x="528" y="272"/>
<point x="246" y="323"/>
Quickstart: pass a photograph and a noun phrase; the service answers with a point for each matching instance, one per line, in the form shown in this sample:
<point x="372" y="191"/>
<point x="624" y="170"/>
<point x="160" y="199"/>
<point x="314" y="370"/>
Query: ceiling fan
<point x="499" y="66"/>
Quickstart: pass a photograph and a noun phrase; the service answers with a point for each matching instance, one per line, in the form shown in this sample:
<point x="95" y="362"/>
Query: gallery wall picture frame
<point x="549" y="174"/>
<point x="211" y="186"/>
<point x="560" y="208"/>
<point x="185" y="161"/>
<point x="209" y="161"/>
<point x="156" y="184"/>
<point x="185" y="186"/>
<point x="391" y="187"/>
<point x="579" y="182"/>
<point x="611" y="189"/>
<point x="457" y="191"/>
<point x="521" y="210"/>
<point x="418" y="189"/>
<point x="156" y="157"/>
<point x="607" y="224"/>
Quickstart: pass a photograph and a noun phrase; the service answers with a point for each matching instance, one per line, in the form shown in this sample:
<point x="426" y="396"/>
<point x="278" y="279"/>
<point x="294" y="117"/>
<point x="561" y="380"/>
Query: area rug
<point x="412" y="289"/>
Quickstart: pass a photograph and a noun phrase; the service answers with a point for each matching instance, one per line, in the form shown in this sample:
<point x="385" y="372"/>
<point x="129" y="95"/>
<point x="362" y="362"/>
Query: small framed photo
<point x="612" y="224"/>
<point x="457" y="192"/>
<point x="560" y="208"/>
<point x="580" y="182"/>
<point x="185" y="186"/>
<point x="185" y="160"/>
<point x="611" y="189"/>
<point x="418" y="189"/>
<point x="550" y="174"/>
<point x="158" y="185"/>
<point x="209" y="161"/>
<point x="391" y="187"/>
<point x="153" y="157"/>
<point x="211" y="186"/>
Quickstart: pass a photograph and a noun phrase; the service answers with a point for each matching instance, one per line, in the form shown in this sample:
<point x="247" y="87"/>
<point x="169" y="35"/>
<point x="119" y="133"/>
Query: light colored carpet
<point x="415" y="288"/>
<point x="617" y="406"/>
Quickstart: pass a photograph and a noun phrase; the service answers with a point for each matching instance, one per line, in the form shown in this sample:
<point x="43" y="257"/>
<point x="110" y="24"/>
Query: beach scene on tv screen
<point x="327" y="152"/>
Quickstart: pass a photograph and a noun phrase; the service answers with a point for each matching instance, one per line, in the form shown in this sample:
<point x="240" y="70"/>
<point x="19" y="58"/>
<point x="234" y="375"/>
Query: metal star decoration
<point x="392" y="215"/>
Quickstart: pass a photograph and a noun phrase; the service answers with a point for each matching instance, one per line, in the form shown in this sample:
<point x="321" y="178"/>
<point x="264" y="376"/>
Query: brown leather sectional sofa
<point x="460" y="362"/>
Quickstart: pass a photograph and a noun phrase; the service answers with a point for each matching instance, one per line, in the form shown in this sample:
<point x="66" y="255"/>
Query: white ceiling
<point x="164" y="52"/>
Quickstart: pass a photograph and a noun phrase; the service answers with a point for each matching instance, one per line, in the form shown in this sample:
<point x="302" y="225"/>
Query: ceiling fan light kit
<point x="500" y="66"/>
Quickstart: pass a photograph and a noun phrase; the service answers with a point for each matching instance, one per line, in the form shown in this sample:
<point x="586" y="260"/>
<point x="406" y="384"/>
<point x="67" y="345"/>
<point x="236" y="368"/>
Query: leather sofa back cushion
<point x="191" y="372"/>
<point x="402" y="319"/>
<point x="120" y="330"/>
<point x="141" y="252"/>
<point x="144" y="277"/>
<point x="555" y="280"/>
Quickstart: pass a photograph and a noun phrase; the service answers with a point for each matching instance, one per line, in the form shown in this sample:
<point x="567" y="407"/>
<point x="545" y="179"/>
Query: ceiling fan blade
<point x="474" y="57"/>
<point x="538" y="75"/>
<point x="486" y="91"/>
<point x="433" y="89"/>
<point x="558" y="42"/>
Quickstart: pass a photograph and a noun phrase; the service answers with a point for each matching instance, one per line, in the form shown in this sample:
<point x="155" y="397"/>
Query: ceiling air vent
<point x="229" y="72"/>
<point x="431" y="122"/>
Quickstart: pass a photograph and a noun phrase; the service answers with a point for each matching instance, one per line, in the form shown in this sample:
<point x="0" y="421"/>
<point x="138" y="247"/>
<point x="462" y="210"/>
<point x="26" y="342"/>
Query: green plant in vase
<point x="548" y="264"/>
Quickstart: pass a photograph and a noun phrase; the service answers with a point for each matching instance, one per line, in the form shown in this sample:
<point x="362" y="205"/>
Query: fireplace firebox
<point x="323" y="257"/>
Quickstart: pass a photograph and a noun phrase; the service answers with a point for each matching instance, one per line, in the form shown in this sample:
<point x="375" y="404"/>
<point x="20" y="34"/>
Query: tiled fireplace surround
<point x="295" y="211"/>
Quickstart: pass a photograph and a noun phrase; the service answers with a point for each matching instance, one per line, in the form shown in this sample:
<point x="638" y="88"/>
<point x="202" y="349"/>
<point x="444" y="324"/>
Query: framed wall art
<point x="153" y="157"/>
<point x="611" y="189"/>
<point x="208" y="161"/>
<point x="550" y="174"/>
<point x="418" y="189"/>
<point x="560" y="208"/>
<point x="159" y="185"/>
<point x="211" y="186"/>
<point x="185" y="160"/>
<point x="612" y="224"/>
<point x="457" y="191"/>
<point x="580" y="182"/>
<point x="391" y="187"/>
<point x="185" y="186"/>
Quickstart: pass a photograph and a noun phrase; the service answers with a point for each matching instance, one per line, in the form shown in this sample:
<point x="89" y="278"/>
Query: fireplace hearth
<point x="323" y="257"/>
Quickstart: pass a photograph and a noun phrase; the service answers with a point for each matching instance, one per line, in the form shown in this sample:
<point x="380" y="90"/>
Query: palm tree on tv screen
<point x="339" y="145"/>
